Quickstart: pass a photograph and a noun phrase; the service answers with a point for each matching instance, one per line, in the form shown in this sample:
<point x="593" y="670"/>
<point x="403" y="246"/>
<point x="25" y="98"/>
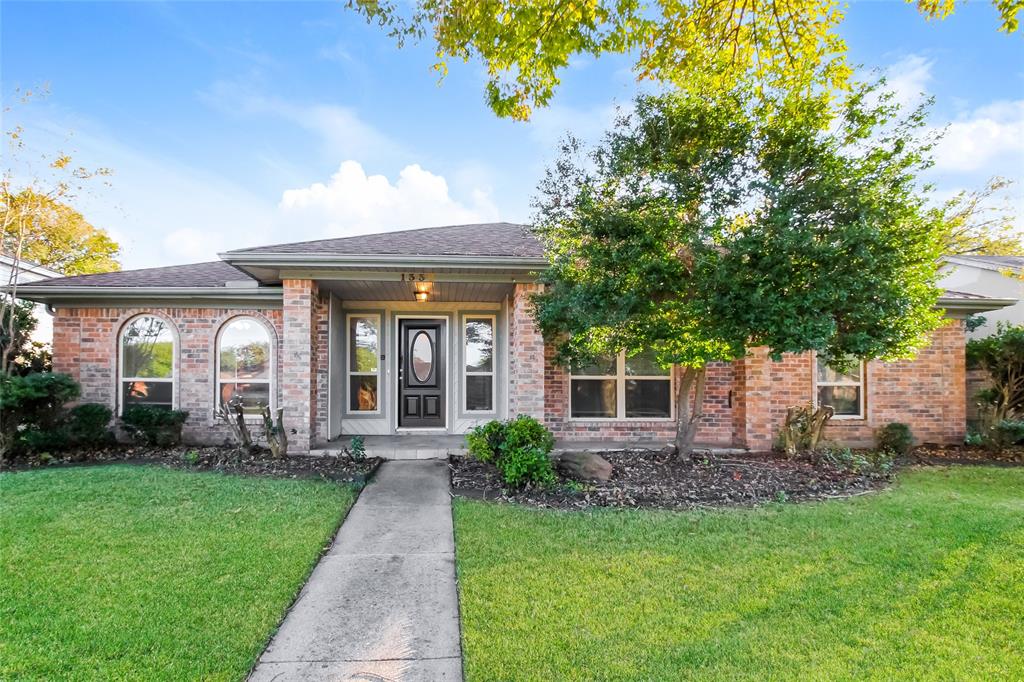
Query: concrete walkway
<point x="381" y="605"/>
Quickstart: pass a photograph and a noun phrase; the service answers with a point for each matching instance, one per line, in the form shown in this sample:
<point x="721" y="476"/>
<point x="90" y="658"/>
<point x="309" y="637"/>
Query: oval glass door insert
<point x="422" y="357"/>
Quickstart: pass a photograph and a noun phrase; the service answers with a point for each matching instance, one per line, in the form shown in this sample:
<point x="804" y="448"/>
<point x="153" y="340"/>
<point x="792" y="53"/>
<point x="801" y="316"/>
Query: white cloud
<point x="909" y="79"/>
<point x="190" y="244"/>
<point x="342" y="131"/>
<point x="989" y="138"/>
<point x="352" y="202"/>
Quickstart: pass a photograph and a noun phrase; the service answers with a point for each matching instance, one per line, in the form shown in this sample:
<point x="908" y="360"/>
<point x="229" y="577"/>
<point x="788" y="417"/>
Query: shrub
<point x="154" y="425"/>
<point x="484" y="442"/>
<point x="523" y="465"/>
<point x="895" y="437"/>
<point x="44" y="440"/>
<point x="872" y="463"/>
<point x="357" y="449"/>
<point x="88" y="425"/>
<point x="1008" y="432"/>
<point x="32" y="403"/>
<point x="519" y="448"/>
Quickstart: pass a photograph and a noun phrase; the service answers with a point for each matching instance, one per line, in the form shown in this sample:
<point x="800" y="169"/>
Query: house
<point x="991" y="276"/>
<point x="429" y="332"/>
<point x="27" y="272"/>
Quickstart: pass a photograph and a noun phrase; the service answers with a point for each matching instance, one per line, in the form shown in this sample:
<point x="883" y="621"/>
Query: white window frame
<point x="621" y="377"/>
<point x="862" y="384"/>
<point x="349" y="372"/>
<point x="494" y="364"/>
<point x="122" y="379"/>
<point x="217" y="381"/>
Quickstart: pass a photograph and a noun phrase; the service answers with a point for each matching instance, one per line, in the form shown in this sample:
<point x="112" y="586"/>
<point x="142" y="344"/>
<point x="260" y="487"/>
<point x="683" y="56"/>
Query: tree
<point x="1001" y="355"/>
<point x="975" y="225"/>
<point x="36" y="223"/>
<point x="53" y="234"/>
<point x="702" y="227"/>
<point x="692" y="44"/>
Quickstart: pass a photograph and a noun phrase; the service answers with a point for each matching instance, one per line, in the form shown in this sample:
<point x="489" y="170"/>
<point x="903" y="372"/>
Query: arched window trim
<point x="121" y="378"/>
<point x="271" y="381"/>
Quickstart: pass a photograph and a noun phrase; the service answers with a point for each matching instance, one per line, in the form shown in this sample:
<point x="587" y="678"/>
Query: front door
<point x="421" y="374"/>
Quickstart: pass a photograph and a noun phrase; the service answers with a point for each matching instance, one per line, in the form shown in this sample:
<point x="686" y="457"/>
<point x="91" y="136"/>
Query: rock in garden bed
<point x="644" y="478"/>
<point x="225" y="459"/>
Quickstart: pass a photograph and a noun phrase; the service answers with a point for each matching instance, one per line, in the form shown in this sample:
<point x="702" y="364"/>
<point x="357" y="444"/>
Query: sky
<point x="235" y="124"/>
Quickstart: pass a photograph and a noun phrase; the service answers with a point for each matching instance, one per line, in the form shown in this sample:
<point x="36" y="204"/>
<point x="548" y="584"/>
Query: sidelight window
<point x="479" y="362"/>
<point x="364" y="363"/>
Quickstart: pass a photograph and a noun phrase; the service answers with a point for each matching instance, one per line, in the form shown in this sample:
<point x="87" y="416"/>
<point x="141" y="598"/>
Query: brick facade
<point x="744" y="406"/>
<point x="85" y="345"/>
<point x="526" y="365"/>
<point x="746" y="401"/>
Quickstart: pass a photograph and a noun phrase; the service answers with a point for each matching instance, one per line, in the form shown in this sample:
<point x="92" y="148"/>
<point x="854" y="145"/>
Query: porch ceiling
<point x="440" y="292"/>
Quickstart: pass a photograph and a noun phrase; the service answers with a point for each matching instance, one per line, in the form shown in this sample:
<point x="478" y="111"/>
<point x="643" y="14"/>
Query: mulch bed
<point x="341" y="469"/>
<point x="644" y="478"/>
<point x="967" y="454"/>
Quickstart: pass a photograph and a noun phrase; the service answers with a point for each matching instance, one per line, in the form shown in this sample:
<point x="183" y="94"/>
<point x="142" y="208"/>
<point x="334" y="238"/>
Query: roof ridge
<point x="377" y="234"/>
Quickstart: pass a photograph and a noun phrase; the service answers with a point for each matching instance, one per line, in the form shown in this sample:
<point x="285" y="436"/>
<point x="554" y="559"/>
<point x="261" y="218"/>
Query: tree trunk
<point x="688" y="416"/>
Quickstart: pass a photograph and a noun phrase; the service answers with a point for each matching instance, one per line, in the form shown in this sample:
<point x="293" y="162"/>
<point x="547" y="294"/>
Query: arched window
<point x="147" y="363"/>
<point x="244" y="364"/>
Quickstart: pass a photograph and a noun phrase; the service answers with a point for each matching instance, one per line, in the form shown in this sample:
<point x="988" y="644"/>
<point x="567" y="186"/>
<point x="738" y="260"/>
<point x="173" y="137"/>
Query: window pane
<point x="845" y="400"/>
<point x="828" y="375"/>
<point x="644" y="364"/>
<point x="151" y="393"/>
<point x="479" y="345"/>
<point x="363" y="349"/>
<point x="253" y="396"/>
<point x="602" y="366"/>
<point x="148" y="349"/>
<point x="245" y="351"/>
<point x="478" y="393"/>
<point x="592" y="398"/>
<point x="648" y="399"/>
<point x="363" y="393"/>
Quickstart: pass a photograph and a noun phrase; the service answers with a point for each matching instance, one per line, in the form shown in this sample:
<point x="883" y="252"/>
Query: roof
<point x="962" y="295"/>
<point x="25" y="265"/>
<point x="481" y="240"/>
<point x="211" y="274"/>
<point x="988" y="262"/>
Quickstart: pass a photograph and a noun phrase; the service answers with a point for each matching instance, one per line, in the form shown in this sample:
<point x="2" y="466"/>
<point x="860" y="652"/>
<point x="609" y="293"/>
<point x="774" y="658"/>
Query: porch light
<point x="421" y="296"/>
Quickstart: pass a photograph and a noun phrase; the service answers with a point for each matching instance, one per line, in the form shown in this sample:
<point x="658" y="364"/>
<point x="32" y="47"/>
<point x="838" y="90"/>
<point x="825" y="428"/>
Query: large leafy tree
<point x="692" y="44"/>
<point x="981" y="222"/>
<point x="700" y="228"/>
<point x="53" y="234"/>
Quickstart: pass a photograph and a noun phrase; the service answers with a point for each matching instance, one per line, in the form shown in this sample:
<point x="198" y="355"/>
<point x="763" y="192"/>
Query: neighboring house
<point x="991" y="276"/>
<point x="30" y="272"/>
<point x="429" y="331"/>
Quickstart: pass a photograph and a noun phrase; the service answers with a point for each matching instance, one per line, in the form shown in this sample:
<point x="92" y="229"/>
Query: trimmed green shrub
<point x="523" y="465"/>
<point x="154" y="425"/>
<point x="44" y="440"/>
<point x="895" y="437"/>
<point x="33" y="403"/>
<point x="519" y="448"/>
<point x="484" y="442"/>
<point x="874" y="463"/>
<point x="1009" y="432"/>
<point x="89" y="425"/>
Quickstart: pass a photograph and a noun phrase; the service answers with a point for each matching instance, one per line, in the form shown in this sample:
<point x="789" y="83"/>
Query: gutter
<point x="381" y="260"/>
<point x="974" y="305"/>
<point x="46" y="294"/>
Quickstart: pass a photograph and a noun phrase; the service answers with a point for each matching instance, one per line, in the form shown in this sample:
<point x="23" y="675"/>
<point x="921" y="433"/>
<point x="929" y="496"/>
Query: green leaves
<point x="702" y="226"/>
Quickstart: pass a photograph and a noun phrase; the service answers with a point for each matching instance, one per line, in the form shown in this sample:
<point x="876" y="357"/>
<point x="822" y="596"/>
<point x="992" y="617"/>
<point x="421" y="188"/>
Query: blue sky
<point x="235" y="124"/>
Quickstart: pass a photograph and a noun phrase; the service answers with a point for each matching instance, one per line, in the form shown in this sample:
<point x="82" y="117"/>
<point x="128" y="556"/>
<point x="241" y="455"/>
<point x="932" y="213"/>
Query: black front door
<point x="421" y="373"/>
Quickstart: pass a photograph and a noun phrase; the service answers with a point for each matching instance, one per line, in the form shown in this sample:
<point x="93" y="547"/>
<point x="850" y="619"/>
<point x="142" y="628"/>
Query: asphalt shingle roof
<point x="483" y="239"/>
<point x="212" y="274"/>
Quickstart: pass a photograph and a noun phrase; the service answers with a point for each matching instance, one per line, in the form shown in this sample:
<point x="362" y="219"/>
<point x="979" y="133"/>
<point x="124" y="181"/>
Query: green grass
<point x="122" y="572"/>
<point x="925" y="581"/>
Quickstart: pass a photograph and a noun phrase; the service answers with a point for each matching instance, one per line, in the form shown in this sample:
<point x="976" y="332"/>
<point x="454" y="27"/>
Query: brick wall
<point x="85" y="345"/>
<point x="746" y="401"/>
<point x="526" y="356"/>
<point x="299" y="373"/>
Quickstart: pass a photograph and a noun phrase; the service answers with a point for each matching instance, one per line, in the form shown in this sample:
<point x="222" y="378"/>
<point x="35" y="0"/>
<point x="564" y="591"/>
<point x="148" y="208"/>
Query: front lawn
<point x="925" y="580"/>
<point x="132" y="572"/>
